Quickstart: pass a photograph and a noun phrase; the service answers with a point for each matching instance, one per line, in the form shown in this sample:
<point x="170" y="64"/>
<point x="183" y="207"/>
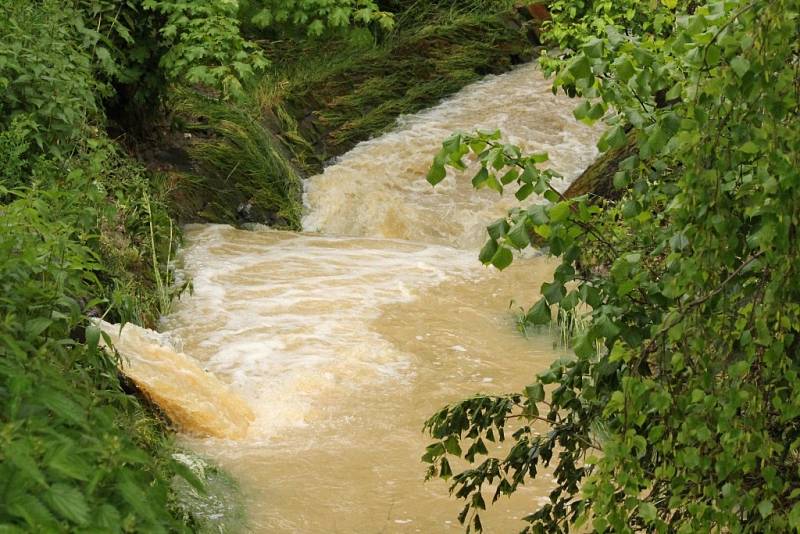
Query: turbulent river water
<point x="343" y="339"/>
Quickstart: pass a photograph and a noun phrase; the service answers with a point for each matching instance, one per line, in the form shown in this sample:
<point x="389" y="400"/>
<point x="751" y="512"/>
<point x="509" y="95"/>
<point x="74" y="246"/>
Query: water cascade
<point x="345" y="338"/>
<point x="190" y="396"/>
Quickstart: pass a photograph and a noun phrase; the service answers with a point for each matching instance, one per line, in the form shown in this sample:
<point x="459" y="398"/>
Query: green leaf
<point x="765" y="508"/>
<point x="493" y="184"/>
<point x="596" y="112"/>
<point x="529" y="174"/>
<point x="794" y="516"/>
<point x="560" y="211"/>
<point x="518" y="235"/>
<point x="553" y="292"/>
<point x="63" y="406"/>
<point x="69" y="464"/>
<point x="436" y="174"/>
<point x="582" y="110"/>
<point x="189" y="476"/>
<point x="593" y="48"/>
<point x="524" y="192"/>
<point x="92" y="338"/>
<point x="502" y="258"/>
<point x="613" y="138"/>
<point x="68" y="502"/>
<point x="679" y="241"/>
<point x="749" y="148"/>
<point x="498" y="229"/>
<point x="509" y="177"/>
<point x="535" y="392"/>
<point x="488" y="251"/>
<point x="539" y="314"/>
<point x="445" y="471"/>
<point x="480" y="178"/>
<point x="579" y="67"/>
<point x="647" y="511"/>
<point x="36" y="326"/>
<point x="452" y="446"/>
<point x="740" y="66"/>
<point x="20" y="457"/>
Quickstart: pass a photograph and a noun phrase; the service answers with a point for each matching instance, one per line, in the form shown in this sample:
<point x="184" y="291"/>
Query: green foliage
<point x="74" y="453"/>
<point x="204" y="44"/>
<point x="14" y="145"/>
<point x="46" y="72"/>
<point x="572" y="21"/>
<point x="680" y="410"/>
<point x="317" y="15"/>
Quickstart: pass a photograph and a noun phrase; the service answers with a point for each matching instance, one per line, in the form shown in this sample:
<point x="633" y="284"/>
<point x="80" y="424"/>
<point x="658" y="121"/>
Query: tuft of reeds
<point x="243" y="163"/>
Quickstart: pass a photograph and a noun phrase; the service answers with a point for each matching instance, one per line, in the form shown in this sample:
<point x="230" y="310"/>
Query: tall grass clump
<point x="243" y="164"/>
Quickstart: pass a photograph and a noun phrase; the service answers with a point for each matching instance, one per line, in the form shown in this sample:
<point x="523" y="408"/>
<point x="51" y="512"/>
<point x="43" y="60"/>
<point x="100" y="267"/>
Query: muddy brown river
<point x="343" y="339"/>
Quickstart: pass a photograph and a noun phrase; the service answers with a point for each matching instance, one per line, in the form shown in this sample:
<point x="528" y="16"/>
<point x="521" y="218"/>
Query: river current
<point x="341" y="340"/>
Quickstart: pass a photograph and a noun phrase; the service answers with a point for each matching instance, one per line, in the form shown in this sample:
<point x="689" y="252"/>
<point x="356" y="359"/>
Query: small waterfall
<point x="192" y="398"/>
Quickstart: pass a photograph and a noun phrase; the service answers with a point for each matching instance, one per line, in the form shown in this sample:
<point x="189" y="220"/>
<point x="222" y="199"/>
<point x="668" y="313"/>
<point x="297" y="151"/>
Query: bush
<point x="680" y="410"/>
<point x="46" y="73"/>
<point x="76" y="451"/>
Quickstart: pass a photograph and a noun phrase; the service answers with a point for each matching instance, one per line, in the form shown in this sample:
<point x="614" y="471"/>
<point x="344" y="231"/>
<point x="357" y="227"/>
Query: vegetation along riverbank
<point x="677" y="408"/>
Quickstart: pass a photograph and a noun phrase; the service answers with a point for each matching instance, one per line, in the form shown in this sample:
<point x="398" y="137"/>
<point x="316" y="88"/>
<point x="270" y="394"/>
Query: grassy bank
<point x="320" y="97"/>
<point x="77" y="450"/>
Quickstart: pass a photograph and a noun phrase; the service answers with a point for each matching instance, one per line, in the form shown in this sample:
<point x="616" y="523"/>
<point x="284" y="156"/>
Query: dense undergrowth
<point x="76" y="449"/>
<point x="679" y="411"/>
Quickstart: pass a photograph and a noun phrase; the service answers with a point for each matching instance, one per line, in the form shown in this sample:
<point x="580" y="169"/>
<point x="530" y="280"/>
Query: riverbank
<point x="243" y="161"/>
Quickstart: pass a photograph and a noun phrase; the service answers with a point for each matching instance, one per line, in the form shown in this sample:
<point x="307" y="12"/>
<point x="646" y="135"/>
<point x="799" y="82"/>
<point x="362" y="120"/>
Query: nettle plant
<point x="687" y="417"/>
<point x="318" y="15"/>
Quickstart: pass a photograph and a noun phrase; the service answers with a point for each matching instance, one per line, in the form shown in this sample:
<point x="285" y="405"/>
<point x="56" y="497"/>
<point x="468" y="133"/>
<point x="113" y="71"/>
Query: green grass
<point x="246" y="171"/>
<point x="345" y="90"/>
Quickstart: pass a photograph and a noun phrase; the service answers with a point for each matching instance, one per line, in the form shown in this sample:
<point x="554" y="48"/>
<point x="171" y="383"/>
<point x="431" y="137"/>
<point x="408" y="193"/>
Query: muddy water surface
<point x="344" y="339"/>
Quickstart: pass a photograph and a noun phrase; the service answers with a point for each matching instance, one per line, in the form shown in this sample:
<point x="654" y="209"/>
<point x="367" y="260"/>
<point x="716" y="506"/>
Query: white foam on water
<point x="285" y="316"/>
<point x="379" y="187"/>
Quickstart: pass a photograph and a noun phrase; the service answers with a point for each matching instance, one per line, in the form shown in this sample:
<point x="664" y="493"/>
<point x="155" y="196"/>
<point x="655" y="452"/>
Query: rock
<point x="536" y="14"/>
<point x="539" y="12"/>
